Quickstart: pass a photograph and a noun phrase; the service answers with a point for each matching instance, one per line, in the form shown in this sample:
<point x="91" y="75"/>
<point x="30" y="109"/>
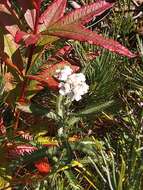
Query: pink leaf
<point x="75" y="5"/>
<point x="78" y="32"/>
<point x="30" y="17"/>
<point x="53" y="13"/>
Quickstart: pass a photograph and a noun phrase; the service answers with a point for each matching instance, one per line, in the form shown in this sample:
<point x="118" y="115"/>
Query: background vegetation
<point x="102" y="144"/>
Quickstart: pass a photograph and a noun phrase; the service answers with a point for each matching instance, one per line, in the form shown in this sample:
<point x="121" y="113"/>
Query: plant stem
<point x="31" y="51"/>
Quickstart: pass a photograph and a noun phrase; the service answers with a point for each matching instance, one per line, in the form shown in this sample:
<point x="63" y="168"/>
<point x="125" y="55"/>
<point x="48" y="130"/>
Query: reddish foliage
<point x="19" y="150"/>
<point x="53" y="22"/>
<point x="63" y="51"/>
<point x="46" y="75"/>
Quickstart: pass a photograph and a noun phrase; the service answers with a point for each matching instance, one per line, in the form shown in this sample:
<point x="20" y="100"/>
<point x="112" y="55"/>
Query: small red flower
<point x="43" y="166"/>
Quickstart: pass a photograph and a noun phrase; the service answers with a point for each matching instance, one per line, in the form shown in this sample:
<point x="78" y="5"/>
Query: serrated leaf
<point x="84" y="14"/>
<point x="79" y="32"/>
<point x="43" y="166"/>
<point x="28" y="38"/>
<point x="71" y="26"/>
<point x="20" y="150"/>
<point x="48" y="141"/>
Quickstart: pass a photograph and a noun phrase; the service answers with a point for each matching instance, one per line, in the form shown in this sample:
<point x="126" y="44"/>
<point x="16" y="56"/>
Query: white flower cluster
<point x="62" y="74"/>
<point x="72" y="85"/>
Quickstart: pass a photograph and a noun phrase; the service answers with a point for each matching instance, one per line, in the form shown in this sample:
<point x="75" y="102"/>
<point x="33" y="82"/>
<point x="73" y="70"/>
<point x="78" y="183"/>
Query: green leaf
<point x="121" y="175"/>
<point x="9" y="46"/>
<point x="36" y="110"/>
<point x="72" y="180"/>
<point x="94" y="109"/>
<point x="9" y="52"/>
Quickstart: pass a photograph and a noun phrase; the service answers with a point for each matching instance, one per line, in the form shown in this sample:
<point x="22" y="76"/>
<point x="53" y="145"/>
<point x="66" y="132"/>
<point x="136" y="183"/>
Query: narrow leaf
<point x="94" y="109"/>
<point x="121" y="175"/>
<point x="84" y="14"/>
<point x="37" y="4"/>
<point x="79" y="32"/>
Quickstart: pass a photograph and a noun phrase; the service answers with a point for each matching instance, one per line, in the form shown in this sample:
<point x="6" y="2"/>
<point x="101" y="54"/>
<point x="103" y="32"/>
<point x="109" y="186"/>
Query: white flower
<point x="60" y="131"/>
<point x="74" y="87"/>
<point x="62" y="74"/>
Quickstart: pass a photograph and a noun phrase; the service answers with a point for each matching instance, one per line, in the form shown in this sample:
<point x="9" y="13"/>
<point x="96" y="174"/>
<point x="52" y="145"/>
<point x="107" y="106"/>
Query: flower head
<point x="74" y="87"/>
<point x="43" y="166"/>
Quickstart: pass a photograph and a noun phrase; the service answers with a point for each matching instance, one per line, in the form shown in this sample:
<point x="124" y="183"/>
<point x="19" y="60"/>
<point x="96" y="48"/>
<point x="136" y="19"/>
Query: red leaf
<point x="84" y="14"/>
<point x="46" y="75"/>
<point x="78" y="32"/>
<point x="32" y="39"/>
<point x="53" y="13"/>
<point x="20" y="35"/>
<point x="8" y="19"/>
<point x="27" y="38"/>
<point x="43" y="166"/>
<point x="63" y="51"/>
<point x="20" y="150"/>
<point x="37" y="3"/>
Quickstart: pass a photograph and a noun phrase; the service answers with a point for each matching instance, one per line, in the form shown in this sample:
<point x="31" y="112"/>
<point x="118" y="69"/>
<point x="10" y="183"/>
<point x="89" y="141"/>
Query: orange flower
<point x="43" y="166"/>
